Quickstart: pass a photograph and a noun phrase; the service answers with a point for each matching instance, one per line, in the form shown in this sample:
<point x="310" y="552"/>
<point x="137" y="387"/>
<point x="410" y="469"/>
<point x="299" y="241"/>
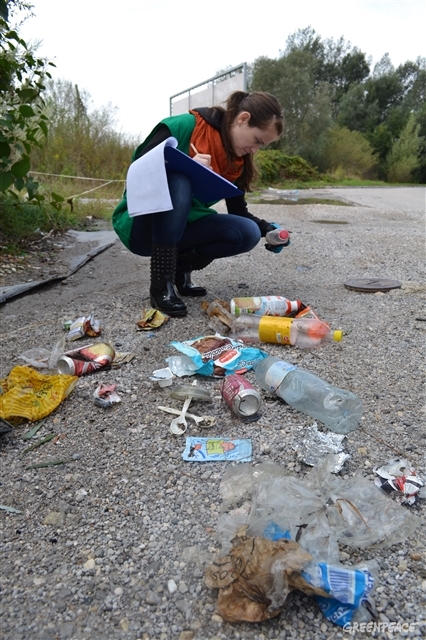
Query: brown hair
<point x="263" y="108"/>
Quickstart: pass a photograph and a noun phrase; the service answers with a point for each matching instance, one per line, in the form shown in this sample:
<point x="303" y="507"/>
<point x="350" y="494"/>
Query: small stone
<point x="182" y="587"/>
<point x="402" y="566"/>
<point x="118" y="591"/>
<point x="186" y="635"/>
<point x="39" y="581"/>
<point x="152" y="598"/>
<point x="216" y="618"/>
<point x="424" y="585"/>
<point x="80" y="494"/>
<point x="414" y="555"/>
<point x="54" y="518"/>
<point x="171" y="586"/>
<point x="124" y="624"/>
<point x="362" y="451"/>
<point x="90" y="564"/>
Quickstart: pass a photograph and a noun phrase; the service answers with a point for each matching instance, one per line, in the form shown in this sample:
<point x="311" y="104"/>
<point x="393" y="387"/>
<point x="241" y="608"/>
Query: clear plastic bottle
<point x="337" y="409"/>
<point x="277" y="237"/>
<point x="265" y="306"/>
<point x="306" y="333"/>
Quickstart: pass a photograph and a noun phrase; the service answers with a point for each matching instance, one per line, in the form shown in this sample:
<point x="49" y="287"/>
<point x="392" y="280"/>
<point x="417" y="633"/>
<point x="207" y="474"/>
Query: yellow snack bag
<point x="25" y="393"/>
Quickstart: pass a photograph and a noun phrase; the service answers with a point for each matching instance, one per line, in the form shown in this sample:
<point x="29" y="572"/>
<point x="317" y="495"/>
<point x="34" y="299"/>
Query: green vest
<point x="181" y="127"/>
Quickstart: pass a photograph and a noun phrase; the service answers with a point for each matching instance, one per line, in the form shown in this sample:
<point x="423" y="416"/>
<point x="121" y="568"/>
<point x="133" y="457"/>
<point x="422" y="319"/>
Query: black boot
<point x="188" y="262"/>
<point x="163" y="292"/>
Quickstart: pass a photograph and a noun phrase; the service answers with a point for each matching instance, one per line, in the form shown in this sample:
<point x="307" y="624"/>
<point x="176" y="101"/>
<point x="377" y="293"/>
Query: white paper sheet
<point x="146" y="184"/>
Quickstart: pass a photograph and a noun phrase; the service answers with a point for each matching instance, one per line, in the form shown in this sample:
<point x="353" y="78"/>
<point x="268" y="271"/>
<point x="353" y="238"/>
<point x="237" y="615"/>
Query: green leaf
<point x="21" y="168"/>
<point x="26" y="111"/>
<point x="4" y="150"/>
<point x="6" y="179"/>
<point x="57" y="198"/>
<point x="19" y="184"/>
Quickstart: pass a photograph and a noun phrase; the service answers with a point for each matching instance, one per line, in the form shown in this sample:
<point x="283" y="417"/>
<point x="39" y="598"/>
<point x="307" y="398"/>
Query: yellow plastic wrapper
<point x="25" y="393"/>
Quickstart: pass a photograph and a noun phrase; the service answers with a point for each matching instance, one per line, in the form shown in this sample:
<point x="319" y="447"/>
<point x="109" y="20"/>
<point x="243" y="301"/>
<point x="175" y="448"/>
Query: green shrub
<point x="275" y="167"/>
<point x="348" y="152"/>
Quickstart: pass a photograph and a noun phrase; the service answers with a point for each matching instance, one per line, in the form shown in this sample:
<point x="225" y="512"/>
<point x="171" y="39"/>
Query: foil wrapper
<point x="314" y="445"/>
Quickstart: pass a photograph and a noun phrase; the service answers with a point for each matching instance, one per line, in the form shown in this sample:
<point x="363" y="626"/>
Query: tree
<point x="403" y="158"/>
<point x="23" y="121"/>
<point x="348" y="151"/>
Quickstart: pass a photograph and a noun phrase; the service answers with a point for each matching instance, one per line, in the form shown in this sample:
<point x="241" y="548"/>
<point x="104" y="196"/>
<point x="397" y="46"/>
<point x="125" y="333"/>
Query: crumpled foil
<point x="315" y="445"/>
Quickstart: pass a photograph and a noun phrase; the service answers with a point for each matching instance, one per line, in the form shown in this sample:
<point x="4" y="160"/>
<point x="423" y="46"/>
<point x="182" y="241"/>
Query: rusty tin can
<point x="240" y="396"/>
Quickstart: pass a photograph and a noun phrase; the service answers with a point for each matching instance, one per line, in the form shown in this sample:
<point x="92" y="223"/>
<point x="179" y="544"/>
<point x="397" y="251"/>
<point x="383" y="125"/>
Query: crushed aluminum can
<point x="240" y="396"/>
<point x="86" y="360"/>
<point x="400" y="478"/>
<point x="315" y="445"/>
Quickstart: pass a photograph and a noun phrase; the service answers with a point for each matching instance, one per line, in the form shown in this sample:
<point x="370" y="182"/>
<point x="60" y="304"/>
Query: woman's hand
<point x="203" y="158"/>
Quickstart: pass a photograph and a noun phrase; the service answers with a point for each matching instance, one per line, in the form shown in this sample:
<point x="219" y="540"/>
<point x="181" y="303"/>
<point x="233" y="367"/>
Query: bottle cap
<point x="337" y="335"/>
<point x="283" y="234"/>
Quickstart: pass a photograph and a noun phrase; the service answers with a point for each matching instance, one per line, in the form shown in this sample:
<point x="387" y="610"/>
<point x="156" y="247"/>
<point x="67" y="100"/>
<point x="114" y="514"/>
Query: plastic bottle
<point x="306" y="333"/>
<point x="265" y="306"/>
<point x="337" y="409"/>
<point x="277" y="239"/>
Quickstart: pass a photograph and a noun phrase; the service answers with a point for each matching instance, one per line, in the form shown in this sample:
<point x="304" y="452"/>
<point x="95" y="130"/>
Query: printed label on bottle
<point x="275" y="330"/>
<point x="264" y="306"/>
<point x="276" y="374"/>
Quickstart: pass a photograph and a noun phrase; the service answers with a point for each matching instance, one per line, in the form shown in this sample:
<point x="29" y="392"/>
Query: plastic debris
<point x="219" y="315"/>
<point x="204" y="422"/>
<point x="218" y="356"/>
<point x="5" y="507"/>
<point x="259" y="572"/>
<point x="400" y="478"/>
<point x="186" y="392"/>
<point x="162" y="377"/>
<point x="151" y="319"/>
<point x="214" y="449"/>
<point x="315" y="445"/>
<point x="105" y="395"/>
<point x="40" y="358"/>
<point x="84" y="326"/>
<point x="25" y="393"/>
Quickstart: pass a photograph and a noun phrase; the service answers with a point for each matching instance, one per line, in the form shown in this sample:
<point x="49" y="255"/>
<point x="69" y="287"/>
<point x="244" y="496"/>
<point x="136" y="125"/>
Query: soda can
<point x="240" y="396"/>
<point x="86" y="360"/>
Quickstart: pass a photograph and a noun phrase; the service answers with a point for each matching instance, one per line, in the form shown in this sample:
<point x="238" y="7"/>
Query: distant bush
<point x="348" y="153"/>
<point x="404" y="158"/>
<point x="274" y="167"/>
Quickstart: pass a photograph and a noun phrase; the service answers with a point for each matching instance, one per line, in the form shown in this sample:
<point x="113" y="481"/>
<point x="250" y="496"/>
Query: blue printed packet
<point x="214" y="449"/>
<point x="217" y="356"/>
<point x="348" y="588"/>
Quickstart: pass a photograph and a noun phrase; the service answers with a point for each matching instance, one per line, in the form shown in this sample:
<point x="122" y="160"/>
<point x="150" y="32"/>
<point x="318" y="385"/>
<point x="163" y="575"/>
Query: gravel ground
<point x="98" y="539"/>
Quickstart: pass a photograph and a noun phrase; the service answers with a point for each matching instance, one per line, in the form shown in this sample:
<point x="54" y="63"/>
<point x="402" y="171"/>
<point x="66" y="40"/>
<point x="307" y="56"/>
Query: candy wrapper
<point x="214" y="449"/>
<point x="217" y="356"/>
<point x="398" y="477"/>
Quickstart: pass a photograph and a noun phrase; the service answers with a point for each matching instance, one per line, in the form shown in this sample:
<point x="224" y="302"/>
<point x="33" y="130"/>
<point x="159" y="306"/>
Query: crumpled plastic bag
<point x="25" y="393"/>
<point x="320" y="511"/>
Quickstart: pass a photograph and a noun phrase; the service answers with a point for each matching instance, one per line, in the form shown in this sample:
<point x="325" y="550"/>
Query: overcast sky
<point x="135" y="54"/>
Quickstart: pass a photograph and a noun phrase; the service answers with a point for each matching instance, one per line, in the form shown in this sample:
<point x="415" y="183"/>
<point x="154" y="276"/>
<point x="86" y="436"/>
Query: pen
<point x="194" y="148"/>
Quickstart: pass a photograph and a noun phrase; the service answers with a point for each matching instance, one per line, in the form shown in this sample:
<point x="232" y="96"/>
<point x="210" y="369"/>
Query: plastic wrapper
<point x="319" y="511"/>
<point x="40" y="358"/>
<point x="215" y="449"/>
<point x="217" y="355"/>
<point x="399" y="478"/>
<point x="256" y="576"/>
<point x="151" y="319"/>
<point x="314" y="445"/>
<point x="28" y="394"/>
<point x="105" y="395"/>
